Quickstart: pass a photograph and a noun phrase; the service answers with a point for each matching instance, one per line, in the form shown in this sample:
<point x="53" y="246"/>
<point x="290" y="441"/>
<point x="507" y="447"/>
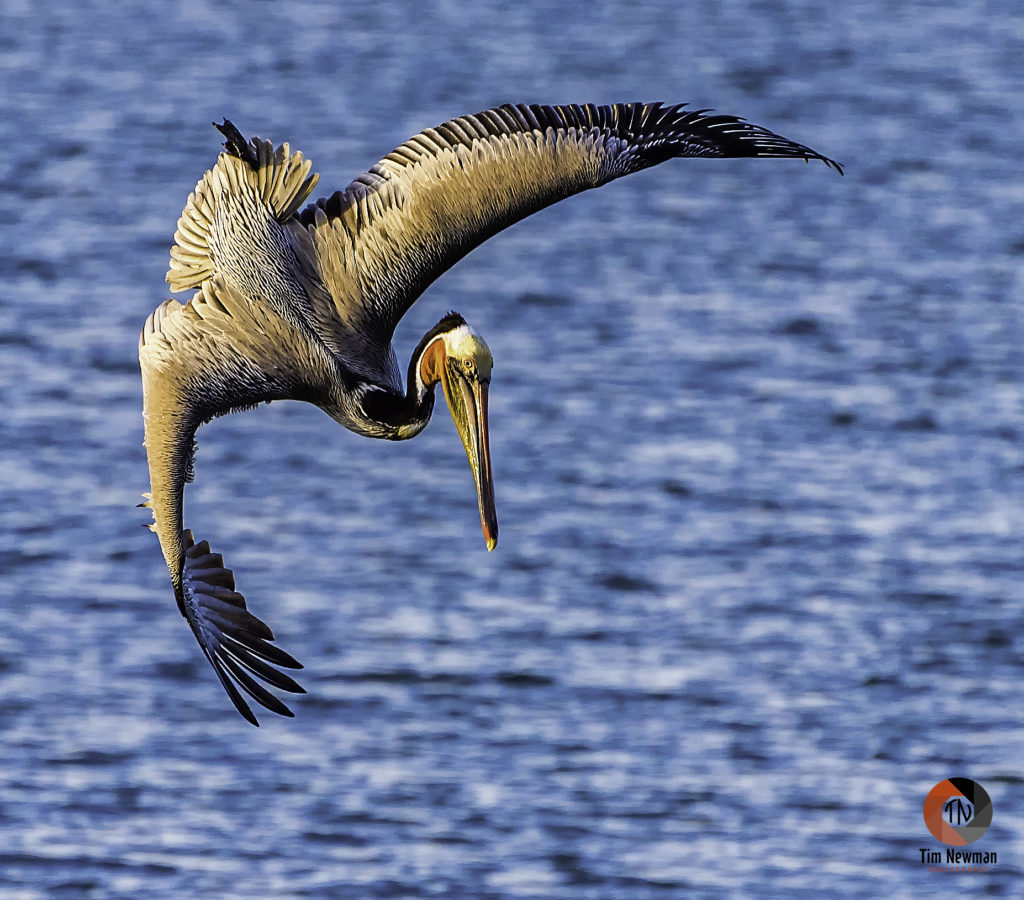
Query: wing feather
<point x="253" y="184"/>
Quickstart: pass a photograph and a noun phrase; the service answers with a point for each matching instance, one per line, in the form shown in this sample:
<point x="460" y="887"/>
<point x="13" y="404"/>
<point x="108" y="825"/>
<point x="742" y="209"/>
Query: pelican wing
<point x="216" y="354"/>
<point x="231" y="223"/>
<point x="239" y="225"/>
<point x="385" y="238"/>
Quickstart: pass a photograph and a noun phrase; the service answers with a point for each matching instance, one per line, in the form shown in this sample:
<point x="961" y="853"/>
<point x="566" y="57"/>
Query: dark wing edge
<point x="702" y="133"/>
<point x="653" y="132"/>
<point x="234" y="640"/>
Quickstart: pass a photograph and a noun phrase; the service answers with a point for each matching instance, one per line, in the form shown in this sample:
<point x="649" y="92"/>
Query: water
<point x="757" y="442"/>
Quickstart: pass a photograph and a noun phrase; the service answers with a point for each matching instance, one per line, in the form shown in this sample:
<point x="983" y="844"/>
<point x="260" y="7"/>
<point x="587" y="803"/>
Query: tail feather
<point x="234" y="640"/>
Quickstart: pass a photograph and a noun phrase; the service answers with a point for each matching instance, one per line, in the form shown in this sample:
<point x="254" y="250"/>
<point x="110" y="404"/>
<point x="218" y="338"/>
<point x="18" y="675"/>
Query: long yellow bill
<point x="467" y="402"/>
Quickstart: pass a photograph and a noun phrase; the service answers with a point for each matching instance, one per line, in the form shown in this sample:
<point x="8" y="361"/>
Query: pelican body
<point x="294" y="302"/>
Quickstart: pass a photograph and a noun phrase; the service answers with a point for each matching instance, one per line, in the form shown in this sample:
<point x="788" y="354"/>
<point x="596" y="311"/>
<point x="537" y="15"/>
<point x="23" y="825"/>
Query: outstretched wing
<point x="213" y="355"/>
<point x="385" y="238"/>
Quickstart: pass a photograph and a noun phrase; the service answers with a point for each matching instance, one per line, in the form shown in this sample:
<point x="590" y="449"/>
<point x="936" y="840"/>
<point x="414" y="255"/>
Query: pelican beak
<point x="467" y="402"/>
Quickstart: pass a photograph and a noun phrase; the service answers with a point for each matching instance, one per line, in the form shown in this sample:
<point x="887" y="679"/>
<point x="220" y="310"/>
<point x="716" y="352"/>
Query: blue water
<point x="757" y="437"/>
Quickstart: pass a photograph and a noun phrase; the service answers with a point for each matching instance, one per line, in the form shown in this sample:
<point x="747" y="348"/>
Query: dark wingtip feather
<point x="236" y="144"/>
<point x="832" y="164"/>
<point x="234" y="641"/>
<point x="704" y="132"/>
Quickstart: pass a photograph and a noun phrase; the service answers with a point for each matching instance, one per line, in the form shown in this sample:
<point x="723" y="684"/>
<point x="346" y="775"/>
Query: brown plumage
<point x="303" y="305"/>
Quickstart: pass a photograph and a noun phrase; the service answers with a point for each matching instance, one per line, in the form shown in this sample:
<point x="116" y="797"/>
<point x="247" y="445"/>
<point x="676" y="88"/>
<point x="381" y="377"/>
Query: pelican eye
<point x="470" y="366"/>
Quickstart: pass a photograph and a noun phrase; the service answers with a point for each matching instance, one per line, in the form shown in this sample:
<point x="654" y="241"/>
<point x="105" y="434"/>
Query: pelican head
<point x="457" y="357"/>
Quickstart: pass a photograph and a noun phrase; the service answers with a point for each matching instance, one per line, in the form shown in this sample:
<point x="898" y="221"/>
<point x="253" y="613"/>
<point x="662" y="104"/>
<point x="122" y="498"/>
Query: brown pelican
<point x="303" y="305"/>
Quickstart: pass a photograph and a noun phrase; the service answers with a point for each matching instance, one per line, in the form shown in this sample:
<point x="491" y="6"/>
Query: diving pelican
<point x="302" y="305"/>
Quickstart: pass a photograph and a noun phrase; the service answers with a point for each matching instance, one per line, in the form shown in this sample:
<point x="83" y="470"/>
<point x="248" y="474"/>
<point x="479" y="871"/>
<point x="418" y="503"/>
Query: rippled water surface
<point x="757" y="439"/>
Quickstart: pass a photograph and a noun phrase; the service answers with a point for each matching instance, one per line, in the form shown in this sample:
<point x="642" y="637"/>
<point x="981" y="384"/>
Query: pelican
<point x="293" y="304"/>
